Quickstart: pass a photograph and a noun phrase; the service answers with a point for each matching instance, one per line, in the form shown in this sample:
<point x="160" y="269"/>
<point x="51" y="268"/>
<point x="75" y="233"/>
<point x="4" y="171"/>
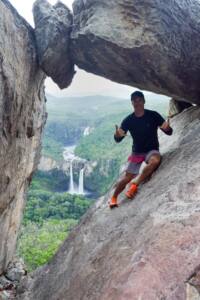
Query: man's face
<point x="138" y="103"/>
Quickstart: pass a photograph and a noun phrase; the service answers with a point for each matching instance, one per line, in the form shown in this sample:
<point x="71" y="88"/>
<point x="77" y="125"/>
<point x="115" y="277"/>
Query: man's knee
<point x="154" y="160"/>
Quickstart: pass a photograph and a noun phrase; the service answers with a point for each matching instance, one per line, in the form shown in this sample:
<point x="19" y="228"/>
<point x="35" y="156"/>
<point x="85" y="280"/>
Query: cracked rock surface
<point x="52" y="29"/>
<point x="22" y="118"/>
<point x="145" y="249"/>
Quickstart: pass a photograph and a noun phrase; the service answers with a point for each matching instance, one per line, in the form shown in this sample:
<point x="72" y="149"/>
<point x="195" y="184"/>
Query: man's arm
<point x="166" y="128"/>
<point x="119" y="134"/>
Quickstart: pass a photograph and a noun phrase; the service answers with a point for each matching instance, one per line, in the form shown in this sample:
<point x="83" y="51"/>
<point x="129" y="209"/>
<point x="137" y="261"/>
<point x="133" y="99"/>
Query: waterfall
<point x="81" y="187"/>
<point x="86" y="131"/>
<point x="72" y="166"/>
<point x="71" y="185"/>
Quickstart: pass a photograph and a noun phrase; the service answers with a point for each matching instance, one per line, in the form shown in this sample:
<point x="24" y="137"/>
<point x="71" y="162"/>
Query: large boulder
<point x="152" y="45"/>
<point x="148" y="248"/>
<point x="22" y="118"/>
<point x="52" y="29"/>
<point x="176" y="107"/>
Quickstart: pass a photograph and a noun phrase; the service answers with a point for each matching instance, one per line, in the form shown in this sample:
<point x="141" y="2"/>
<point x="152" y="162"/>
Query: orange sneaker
<point x="113" y="202"/>
<point x="132" y="191"/>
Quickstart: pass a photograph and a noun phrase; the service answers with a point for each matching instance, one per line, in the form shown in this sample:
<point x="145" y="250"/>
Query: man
<point x="142" y="125"/>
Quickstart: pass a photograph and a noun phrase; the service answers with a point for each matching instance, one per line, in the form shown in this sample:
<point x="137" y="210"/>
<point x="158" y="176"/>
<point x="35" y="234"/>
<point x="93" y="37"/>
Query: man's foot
<point x="132" y="191"/>
<point x="113" y="202"/>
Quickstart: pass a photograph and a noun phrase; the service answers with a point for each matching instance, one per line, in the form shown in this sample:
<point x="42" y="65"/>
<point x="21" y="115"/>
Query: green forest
<point x="48" y="219"/>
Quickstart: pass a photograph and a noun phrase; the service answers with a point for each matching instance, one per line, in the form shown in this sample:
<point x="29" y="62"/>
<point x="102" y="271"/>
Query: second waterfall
<point x="80" y="189"/>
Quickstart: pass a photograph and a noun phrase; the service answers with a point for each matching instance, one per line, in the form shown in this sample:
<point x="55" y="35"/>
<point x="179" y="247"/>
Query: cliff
<point x="148" y="248"/>
<point x="22" y="117"/>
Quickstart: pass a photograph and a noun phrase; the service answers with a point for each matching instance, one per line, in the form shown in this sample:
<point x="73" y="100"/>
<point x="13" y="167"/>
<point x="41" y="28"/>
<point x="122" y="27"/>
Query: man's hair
<point x="137" y="94"/>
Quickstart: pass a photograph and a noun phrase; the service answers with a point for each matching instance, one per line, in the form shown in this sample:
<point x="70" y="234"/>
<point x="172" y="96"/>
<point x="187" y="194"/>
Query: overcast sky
<point x="83" y="83"/>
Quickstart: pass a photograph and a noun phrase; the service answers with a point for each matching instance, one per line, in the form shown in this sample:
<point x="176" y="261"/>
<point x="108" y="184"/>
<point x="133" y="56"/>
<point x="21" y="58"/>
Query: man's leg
<point x="152" y="165"/>
<point x="122" y="183"/>
<point x="120" y="186"/>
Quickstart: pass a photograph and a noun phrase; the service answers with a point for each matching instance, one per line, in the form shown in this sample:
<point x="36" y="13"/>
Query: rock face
<point x="148" y="248"/>
<point x="22" y="117"/>
<point x="47" y="164"/>
<point x="153" y="45"/>
<point x="53" y="27"/>
<point x="175" y="107"/>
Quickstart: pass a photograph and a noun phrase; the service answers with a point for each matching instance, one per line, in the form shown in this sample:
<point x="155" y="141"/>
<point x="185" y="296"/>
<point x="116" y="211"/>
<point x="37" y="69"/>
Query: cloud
<point x="88" y="84"/>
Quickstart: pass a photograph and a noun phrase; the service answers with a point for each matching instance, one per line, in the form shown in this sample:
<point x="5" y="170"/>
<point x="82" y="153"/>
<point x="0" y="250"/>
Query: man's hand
<point x="166" y="128"/>
<point x="166" y="125"/>
<point x="119" y="132"/>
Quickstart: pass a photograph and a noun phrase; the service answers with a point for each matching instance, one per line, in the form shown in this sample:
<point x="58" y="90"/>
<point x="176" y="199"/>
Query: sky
<point x="83" y="83"/>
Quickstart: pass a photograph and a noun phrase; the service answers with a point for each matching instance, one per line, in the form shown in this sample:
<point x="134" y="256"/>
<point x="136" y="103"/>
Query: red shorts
<point x="136" y="159"/>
